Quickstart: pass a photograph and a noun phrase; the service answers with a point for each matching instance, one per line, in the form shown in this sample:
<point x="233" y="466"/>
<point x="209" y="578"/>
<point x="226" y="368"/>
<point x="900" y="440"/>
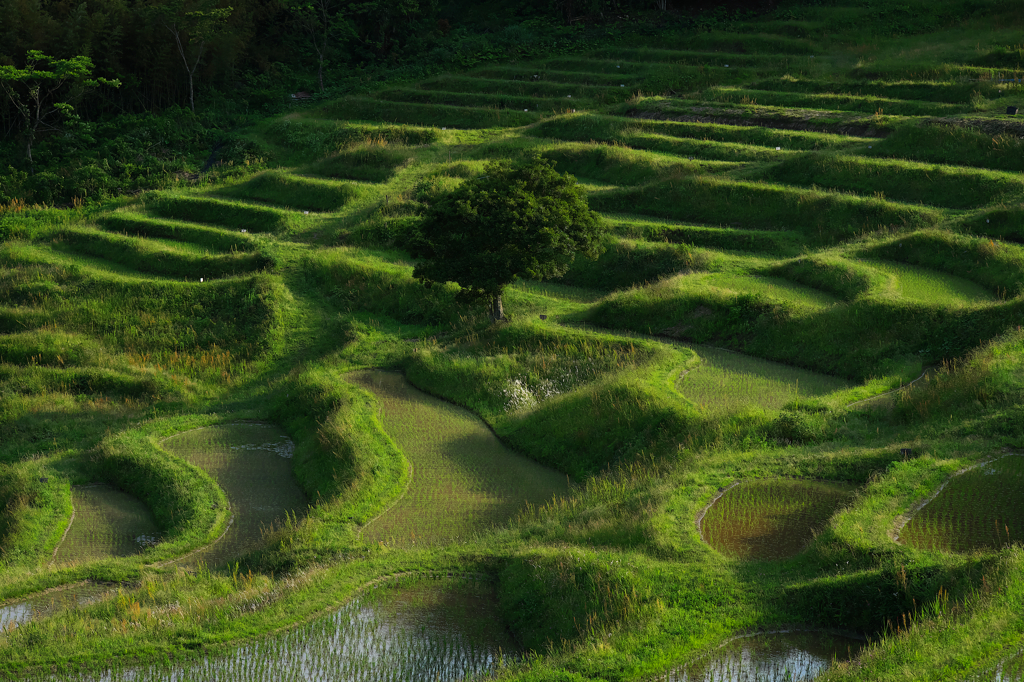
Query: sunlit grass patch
<point x="946" y="186"/>
<point x="252" y="463"/>
<point x="135" y="224"/>
<point x="930" y="286"/>
<point x="367" y="163"/>
<point x="771" y="519"/>
<point x="224" y="213"/>
<point x="432" y="115"/>
<point x="860" y="103"/>
<point x="464" y="480"/>
<point x="726" y="382"/>
<point x="107" y="522"/>
<point x="636" y="226"/>
<point x="298" y="192"/>
<point x="160" y="258"/>
<point x="982" y="508"/>
<point x="822" y="217"/>
<point x="772" y="287"/>
<point x="489" y="100"/>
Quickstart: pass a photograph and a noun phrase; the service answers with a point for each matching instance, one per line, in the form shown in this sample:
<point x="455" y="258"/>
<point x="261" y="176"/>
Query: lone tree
<point x="513" y="221"/>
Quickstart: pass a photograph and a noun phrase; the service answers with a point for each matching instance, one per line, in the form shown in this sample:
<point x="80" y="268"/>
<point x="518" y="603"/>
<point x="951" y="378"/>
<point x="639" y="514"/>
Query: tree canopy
<point x="513" y="221"/>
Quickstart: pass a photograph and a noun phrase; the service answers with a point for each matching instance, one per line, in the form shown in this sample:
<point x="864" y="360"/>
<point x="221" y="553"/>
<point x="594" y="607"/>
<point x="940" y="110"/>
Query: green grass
<point x="945" y="186"/>
<point x="223" y="213"/>
<point x="822" y="217"/>
<point x="134" y="224"/>
<point x="294" y="191"/>
<point x="166" y="259"/>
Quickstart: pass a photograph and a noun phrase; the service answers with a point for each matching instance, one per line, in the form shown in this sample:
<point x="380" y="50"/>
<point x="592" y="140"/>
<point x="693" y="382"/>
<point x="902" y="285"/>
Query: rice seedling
<point x="770" y="519"/>
<point x="982" y="508"/>
<point x="107" y="522"/>
<point x="17" y="611"/>
<point x="404" y="629"/>
<point x="774" y="657"/>
<point x="464" y="480"/>
<point x="252" y="463"/>
<point x="726" y="382"/>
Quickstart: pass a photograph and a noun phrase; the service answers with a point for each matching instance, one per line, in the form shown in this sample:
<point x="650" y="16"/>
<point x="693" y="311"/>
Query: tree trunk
<point x="191" y="94"/>
<point x="497" y="310"/>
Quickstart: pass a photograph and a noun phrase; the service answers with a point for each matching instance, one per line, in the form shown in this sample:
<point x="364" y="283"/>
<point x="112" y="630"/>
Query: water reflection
<point x="789" y="656"/>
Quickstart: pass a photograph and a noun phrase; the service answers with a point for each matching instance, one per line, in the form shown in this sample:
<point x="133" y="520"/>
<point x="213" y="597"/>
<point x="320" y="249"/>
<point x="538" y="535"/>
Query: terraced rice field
<point x="781" y="657"/>
<point x="770" y="519"/>
<point x="107" y="523"/>
<point x="464" y="480"/>
<point x="252" y="463"/>
<point x="817" y="213"/>
<point x="725" y="382"/>
<point x="982" y="508"/>
<point x="17" y="611"/>
<point x="398" y="630"/>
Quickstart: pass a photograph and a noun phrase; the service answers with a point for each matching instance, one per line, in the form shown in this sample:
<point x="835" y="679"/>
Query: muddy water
<point x="107" y="523"/>
<point x="48" y="603"/>
<point x="771" y="519"/>
<point x="252" y="463"/>
<point x="982" y="508"/>
<point x="443" y="630"/>
<point x="793" y="656"/>
<point x="464" y="479"/>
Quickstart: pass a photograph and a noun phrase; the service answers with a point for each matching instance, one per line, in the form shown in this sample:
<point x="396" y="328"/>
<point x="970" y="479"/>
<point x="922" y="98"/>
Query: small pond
<point x="252" y="462"/>
<point x="47" y="603"/>
<point x="107" y="523"/>
<point x="446" y="629"/>
<point x="775" y="657"/>
<point x="770" y="519"/>
<point x="982" y="508"/>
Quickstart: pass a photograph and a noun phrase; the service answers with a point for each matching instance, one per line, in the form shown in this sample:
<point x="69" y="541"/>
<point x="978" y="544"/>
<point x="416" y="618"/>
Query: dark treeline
<point x="186" y="71"/>
<point x="151" y="45"/>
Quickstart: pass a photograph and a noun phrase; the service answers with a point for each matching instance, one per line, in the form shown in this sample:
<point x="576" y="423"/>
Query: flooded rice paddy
<point x="402" y="630"/>
<point x="770" y="519"/>
<point x="48" y="603"/>
<point x="107" y="523"/>
<point x="252" y="462"/>
<point x="1010" y="668"/>
<point x="464" y="479"/>
<point x="982" y="508"/>
<point x="776" y="657"/>
<point x="725" y="382"/>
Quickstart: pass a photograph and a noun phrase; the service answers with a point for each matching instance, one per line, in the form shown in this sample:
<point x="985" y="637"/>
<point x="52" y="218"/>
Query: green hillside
<point x="803" y="334"/>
